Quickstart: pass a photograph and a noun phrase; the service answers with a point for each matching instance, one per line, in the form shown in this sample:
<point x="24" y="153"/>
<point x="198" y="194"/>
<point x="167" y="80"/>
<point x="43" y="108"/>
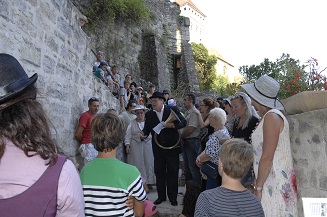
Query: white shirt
<point x="128" y="135"/>
<point x="160" y="114"/>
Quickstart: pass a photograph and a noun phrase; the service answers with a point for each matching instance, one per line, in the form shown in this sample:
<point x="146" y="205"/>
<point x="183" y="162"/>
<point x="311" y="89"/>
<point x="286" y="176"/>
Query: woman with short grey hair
<point x="217" y="119"/>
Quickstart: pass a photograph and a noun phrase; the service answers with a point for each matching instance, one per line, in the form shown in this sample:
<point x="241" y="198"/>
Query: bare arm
<point x="103" y="78"/>
<point x="121" y="99"/>
<point x="79" y="133"/>
<point x="138" y="208"/>
<point x="272" y="126"/>
<point x="202" y="158"/>
<point x="187" y="131"/>
<point x="202" y="123"/>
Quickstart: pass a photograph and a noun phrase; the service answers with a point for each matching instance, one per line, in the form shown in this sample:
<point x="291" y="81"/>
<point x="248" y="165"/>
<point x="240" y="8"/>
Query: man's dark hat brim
<point x="157" y="94"/>
<point x="13" y="78"/>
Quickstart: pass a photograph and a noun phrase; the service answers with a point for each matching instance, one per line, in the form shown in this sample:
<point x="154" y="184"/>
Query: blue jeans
<point x="190" y="152"/>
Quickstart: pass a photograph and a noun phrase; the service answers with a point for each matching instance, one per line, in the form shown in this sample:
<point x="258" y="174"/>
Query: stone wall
<point x="308" y="134"/>
<point x="46" y="38"/>
<point x="146" y="51"/>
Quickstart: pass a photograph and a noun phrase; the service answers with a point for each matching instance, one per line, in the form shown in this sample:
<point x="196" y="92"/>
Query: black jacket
<point x="168" y="136"/>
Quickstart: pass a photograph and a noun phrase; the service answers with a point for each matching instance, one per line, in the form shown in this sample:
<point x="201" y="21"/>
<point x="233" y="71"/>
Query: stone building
<point x="197" y="19"/>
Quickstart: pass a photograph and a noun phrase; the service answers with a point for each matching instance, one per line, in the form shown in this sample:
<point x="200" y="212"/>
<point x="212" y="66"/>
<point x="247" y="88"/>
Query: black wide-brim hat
<point x="157" y="94"/>
<point x="13" y="78"/>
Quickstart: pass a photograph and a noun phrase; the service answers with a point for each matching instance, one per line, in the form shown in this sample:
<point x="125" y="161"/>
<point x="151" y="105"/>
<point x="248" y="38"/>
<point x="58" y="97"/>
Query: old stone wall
<point x="308" y="134"/>
<point x="146" y="51"/>
<point x="46" y="38"/>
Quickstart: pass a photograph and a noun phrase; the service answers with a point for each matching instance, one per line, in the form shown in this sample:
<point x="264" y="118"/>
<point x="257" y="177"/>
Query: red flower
<point x="293" y="181"/>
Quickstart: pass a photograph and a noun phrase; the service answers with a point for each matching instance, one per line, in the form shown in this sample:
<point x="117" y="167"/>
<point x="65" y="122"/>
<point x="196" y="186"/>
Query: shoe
<point x="158" y="201"/>
<point x="174" y="203"/>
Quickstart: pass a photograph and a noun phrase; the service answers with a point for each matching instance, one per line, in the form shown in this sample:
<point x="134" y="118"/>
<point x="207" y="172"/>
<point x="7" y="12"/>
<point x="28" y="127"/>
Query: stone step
<point x="165" y="208"/>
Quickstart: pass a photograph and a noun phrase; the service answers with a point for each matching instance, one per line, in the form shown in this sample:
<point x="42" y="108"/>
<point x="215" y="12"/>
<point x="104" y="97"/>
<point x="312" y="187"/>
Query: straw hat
<point x="139" y="107"/>
<point x="265" y="91"/>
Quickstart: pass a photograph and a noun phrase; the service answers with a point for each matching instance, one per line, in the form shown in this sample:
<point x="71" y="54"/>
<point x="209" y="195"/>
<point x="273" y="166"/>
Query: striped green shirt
<point x="107" y="183"/>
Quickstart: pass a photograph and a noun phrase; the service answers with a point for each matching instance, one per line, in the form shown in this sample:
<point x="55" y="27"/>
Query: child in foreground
<point x="108" y="182"/>
<point x="231" y="198"/>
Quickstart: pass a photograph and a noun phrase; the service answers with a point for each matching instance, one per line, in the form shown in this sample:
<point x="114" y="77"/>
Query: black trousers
<point x="166" y="166"/>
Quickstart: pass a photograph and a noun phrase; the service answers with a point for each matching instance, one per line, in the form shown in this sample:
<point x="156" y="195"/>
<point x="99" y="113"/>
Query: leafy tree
<point x="220" y="84"/>
<point x="286" y="70"/>
<point x="205" y="66"/>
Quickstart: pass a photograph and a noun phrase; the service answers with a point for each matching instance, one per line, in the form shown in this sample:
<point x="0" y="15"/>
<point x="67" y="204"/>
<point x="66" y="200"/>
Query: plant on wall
<point x="130" y="11"/>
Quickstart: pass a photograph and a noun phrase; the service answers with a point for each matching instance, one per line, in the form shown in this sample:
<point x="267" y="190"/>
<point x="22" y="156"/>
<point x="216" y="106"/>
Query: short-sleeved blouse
<point x="213" y="145"/>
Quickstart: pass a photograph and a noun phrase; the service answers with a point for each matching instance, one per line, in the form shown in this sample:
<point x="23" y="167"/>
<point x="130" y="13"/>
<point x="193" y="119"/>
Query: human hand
<point x="142" y="136"/>
<point x="130" y="202"/>
<point x="198" y="162"/>
<point x="128" y="148"/>
<point x="258" y="193"/>
<point x="196" y="111"/>
<point x="169" y="125"/>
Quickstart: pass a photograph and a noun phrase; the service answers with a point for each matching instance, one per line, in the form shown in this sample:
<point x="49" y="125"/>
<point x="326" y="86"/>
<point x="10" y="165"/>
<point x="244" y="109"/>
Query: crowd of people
<point x="235" y="150"/>
<point x="124" y="89"/>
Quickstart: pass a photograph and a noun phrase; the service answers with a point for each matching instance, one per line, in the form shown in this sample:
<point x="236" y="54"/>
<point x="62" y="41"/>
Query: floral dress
<point x="279" y="194"/>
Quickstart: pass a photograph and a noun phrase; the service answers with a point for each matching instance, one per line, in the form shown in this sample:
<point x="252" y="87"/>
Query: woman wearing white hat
<point x="139" y="152"/>
<point x="275" y="182"/>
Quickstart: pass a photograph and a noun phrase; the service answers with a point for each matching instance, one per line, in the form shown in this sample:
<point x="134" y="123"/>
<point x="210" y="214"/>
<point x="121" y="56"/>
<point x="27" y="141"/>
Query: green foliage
<point x="133" y="11"/>
<point x="232" y="88"/>
<point x="286" y="70"/>
<point x="205" y="66"/>
<point x="316" y="81"/>
<point x="220" y="84"/>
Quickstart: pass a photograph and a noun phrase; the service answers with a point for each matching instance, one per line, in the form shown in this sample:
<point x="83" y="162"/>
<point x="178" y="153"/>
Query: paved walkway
<point x="165" y="208"/>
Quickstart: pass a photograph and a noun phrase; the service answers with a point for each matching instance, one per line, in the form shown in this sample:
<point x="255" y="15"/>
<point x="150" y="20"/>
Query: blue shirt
<point x="98" y="73"/>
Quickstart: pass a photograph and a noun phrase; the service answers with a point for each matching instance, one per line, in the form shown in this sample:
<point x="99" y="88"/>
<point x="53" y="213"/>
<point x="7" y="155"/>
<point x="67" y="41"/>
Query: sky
<point x="247" y="31"/>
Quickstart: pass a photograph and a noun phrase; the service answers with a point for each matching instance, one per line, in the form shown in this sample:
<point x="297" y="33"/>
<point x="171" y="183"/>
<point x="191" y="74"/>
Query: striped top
<point x="107" y="183"/>
<point x="223" y="202"/>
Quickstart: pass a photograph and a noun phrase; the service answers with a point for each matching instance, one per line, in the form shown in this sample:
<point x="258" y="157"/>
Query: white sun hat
<point x="265" y="91"/>
<point x="139" y="107"/>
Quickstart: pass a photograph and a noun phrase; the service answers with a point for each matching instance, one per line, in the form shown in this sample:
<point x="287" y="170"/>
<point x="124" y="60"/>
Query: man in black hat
<point x="165" y="145"/>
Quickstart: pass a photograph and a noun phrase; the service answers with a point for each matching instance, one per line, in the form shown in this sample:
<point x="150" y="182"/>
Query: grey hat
<point x="265" y="91"/>
<point x="13" y="78"/>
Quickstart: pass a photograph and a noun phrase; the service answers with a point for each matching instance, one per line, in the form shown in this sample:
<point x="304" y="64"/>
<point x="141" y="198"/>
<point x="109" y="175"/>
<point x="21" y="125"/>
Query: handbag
<point x="210" y="169"/>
